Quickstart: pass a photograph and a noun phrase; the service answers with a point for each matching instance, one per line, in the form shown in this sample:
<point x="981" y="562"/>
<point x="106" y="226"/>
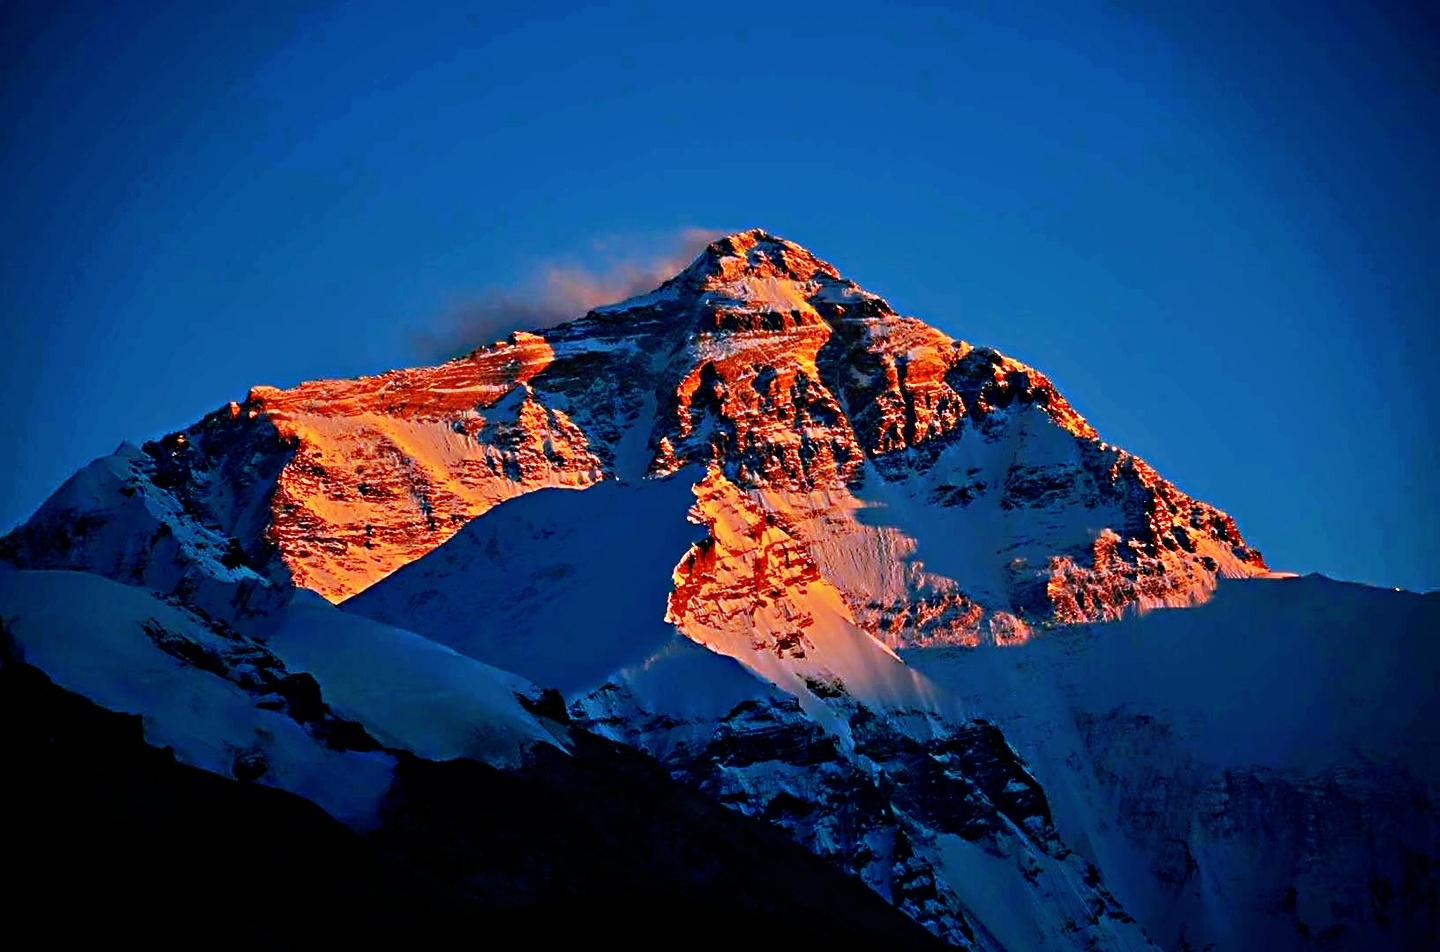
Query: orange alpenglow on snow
<point x="927" y="490"/>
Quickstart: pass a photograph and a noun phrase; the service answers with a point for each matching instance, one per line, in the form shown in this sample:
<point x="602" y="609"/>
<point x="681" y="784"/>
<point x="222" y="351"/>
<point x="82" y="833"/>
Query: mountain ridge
<point x="758" y="358"/>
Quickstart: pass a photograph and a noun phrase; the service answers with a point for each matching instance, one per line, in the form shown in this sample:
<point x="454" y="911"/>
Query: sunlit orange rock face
<point x="743" y="573"/>
<point x="946" y="492"/>
<point x="752" y="590"/>
<point x="386" y="468"/>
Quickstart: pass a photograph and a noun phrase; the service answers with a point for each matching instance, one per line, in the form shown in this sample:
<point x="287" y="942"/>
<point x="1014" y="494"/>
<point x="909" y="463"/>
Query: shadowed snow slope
<point x="103" y="640"/>
<point x="1256" y="772"/>
<point x="408" y="691"/>
<point x="561" y="587"/>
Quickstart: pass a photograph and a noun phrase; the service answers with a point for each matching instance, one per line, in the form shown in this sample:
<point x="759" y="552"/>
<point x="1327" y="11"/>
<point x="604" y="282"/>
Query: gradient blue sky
<point x="1215" y="229"/>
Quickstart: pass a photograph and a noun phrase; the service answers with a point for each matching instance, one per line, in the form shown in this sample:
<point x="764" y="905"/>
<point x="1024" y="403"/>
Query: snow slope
<point x="563" y="588"/>
<point x="220" y="698"/>
<point x="407" y="691"/>
<point x="88" y="634"/>
<point x="1255" y="772"/>
<point x="571" y="589"/>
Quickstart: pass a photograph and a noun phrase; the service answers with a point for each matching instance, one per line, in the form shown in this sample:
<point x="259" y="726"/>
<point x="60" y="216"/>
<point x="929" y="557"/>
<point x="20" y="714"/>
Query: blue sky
<point x="1214" y="229"/>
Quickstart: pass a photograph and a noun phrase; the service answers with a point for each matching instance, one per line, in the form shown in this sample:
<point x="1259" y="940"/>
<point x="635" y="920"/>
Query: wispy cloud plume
<point x="556" y="292"/>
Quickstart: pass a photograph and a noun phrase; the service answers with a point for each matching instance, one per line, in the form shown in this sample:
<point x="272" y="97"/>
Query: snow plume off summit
<point x="558" y="292"/>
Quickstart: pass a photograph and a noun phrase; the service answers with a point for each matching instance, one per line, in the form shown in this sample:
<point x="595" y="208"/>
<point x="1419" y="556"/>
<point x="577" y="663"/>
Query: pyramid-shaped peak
<point x="758" y="253"/>
<point x="755" y="272"/>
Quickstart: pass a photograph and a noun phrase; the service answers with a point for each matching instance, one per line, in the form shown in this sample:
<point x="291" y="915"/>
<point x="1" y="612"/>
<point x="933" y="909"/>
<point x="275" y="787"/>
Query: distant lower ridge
<point x="111" y="837"/>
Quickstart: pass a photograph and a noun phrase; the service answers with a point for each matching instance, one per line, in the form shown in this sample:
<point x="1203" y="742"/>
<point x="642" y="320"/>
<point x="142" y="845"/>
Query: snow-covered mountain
<point x="882" y="590"/>
<point x="1256" y="772"/>
<point x="111" y="834"/>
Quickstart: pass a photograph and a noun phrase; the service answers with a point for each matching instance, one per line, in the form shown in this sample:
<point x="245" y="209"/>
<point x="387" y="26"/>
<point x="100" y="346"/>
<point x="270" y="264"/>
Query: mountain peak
<point x="758" y="360"/>
<point x="748" y="274"/>
<point x="757" y="252"/>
